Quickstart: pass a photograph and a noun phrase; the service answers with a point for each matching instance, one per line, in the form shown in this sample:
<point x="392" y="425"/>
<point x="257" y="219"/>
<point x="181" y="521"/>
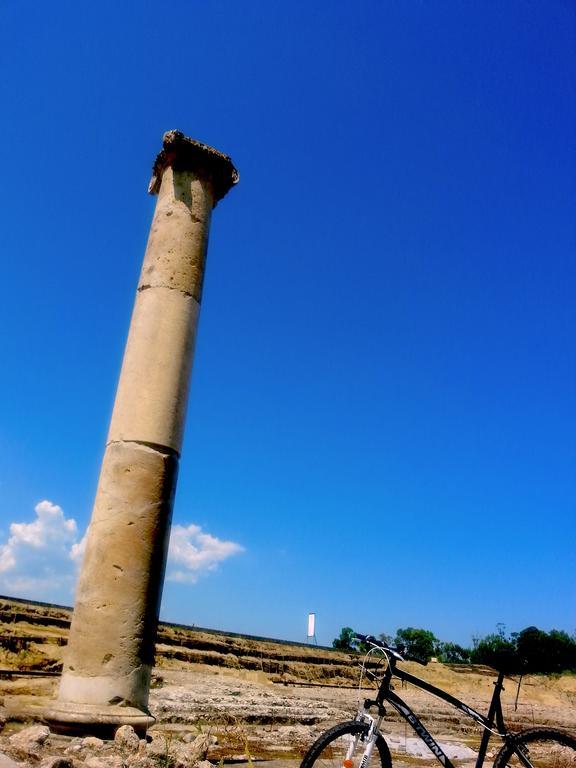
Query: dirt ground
<point x="249" y="714"/>
<point x="253" y="719"/>
<point x="266" y="700"/>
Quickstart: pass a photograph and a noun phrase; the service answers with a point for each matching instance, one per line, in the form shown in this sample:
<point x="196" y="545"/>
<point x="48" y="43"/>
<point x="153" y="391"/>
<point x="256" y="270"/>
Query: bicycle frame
<point x="494" y="717"/>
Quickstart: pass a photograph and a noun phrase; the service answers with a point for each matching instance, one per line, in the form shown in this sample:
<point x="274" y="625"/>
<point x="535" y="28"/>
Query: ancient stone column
<point x="108" y="661"/>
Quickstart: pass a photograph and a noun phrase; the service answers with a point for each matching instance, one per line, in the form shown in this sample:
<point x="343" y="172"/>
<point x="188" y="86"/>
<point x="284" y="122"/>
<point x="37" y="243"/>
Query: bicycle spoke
<point x="547" y="750"/>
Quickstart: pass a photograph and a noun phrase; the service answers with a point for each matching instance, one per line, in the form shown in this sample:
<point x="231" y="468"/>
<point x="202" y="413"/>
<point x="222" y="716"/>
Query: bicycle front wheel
<point x="538" y="748"/>
<point x="343" y="746"/>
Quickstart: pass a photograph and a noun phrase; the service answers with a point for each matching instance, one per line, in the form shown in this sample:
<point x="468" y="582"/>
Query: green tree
<point x="346" y="641"/>
<point x="418" y="642"/>
<point x="562" y="650"/>
<point x="452" y="653"/>
<point x="546" y="652"/>
<point x="496" y="650"/>
<point x="532" y="649"/>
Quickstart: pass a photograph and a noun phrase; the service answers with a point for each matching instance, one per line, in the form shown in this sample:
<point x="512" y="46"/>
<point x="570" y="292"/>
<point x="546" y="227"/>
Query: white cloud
<point x="7" y="560"/>
<point x="42" y="558"/>
<point x="77" y="551"/>
<point x="33" y="560"/>
<point x="193" y="552"/>
<point x="49" y="529"/>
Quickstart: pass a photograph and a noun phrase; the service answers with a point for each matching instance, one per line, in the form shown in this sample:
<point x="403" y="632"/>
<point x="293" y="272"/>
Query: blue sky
<point x="381" y="420"/>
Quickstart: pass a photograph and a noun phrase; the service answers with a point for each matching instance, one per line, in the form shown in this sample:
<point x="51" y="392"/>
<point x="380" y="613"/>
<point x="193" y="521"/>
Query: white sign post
<point x="312" y="627"/>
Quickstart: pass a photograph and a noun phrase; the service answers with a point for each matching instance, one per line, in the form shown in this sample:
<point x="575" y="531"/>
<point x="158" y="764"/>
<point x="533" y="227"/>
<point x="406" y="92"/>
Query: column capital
<point x="186" y="154"/>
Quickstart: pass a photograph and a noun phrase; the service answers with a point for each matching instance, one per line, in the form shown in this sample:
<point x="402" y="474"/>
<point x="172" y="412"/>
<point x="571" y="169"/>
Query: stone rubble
<point x="30" y="739"/>
<point x="126" y="739"/>
<point x="36" y="746"/>
<point x="161" y="749"/>
<point x="7" y="762"/>
<point x="126" y="750"/>
<point x="204" y="718"/>
<point x="57" y="762"/>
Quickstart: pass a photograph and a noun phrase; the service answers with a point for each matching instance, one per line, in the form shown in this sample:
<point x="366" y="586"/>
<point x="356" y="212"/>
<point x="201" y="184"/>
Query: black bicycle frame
<point x="487" y="722"/>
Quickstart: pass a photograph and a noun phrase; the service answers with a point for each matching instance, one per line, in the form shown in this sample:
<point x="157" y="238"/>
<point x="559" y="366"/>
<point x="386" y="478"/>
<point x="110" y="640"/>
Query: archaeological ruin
<point x="108" y="661"/>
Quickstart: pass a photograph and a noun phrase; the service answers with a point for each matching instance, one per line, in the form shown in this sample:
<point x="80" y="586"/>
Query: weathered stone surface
<point x="141" y="761"/>
<point x="176" y="251"/>
<point x="204" y="739"/>
<point x="92" y="742"/>
<point x="126" y="738"/>
<point x="111" y="649"/>
<point x="110" y="761"/>
<point x="74" y="748"/>
<point x="159" y="747"/>
<point x="29" y="739"/>
<point x="184" y="153"/>
<point x="107" y="664"/>
<point x="57" y="762"/>
<point x="153" y="389"/>
<point x="417" y="748"/>
<point x="175" y="752"/>
<point x="212" y="697"/>
<point x="8" y="762"/>
<point x="85" y="718"/>
<point x="198" y="748"/>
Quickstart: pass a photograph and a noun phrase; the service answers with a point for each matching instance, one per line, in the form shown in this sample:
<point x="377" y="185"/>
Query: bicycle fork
<point x="369" y="738"/>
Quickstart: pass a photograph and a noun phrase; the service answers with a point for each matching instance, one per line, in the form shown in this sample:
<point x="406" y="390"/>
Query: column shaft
<point x="109" y="658"/>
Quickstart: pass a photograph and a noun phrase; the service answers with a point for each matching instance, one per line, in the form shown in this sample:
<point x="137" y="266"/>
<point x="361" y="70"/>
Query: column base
<point x="95" y="719"/>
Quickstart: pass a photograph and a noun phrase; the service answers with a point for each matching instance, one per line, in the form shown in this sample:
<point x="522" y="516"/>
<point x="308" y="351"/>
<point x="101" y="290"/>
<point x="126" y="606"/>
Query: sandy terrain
<point x="251" y="715"/>
<point x="252" y="698"/>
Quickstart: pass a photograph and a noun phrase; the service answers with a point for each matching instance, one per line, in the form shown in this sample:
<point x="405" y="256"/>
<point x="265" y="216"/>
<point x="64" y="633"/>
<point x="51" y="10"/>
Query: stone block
<point x="111" y="648"/>
<point x="152" y="392"/>
<point x="176" y="251"/>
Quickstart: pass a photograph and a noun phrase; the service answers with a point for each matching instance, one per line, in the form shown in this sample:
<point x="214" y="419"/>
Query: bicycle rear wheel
<point x="332" y="748"/>
<point x="538" y="748"/>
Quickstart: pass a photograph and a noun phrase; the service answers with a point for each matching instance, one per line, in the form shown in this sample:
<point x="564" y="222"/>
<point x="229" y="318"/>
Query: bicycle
<point x="351" y="744"/>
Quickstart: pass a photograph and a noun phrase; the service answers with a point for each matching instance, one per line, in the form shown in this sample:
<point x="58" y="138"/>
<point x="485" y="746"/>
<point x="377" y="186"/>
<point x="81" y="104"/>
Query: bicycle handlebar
<point x="398" y="653"/>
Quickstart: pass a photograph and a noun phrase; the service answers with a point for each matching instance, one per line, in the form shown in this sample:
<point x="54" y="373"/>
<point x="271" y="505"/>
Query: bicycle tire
<point x="542" y="747"/>
<point x="329" y="750"/>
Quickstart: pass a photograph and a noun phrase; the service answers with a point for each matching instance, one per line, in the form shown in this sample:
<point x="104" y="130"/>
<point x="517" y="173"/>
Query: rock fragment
<point x="28" y="741"/>
<point x="127" y="739"/>
<point x="57" y="762"/>
<point x="7" y="762"/>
